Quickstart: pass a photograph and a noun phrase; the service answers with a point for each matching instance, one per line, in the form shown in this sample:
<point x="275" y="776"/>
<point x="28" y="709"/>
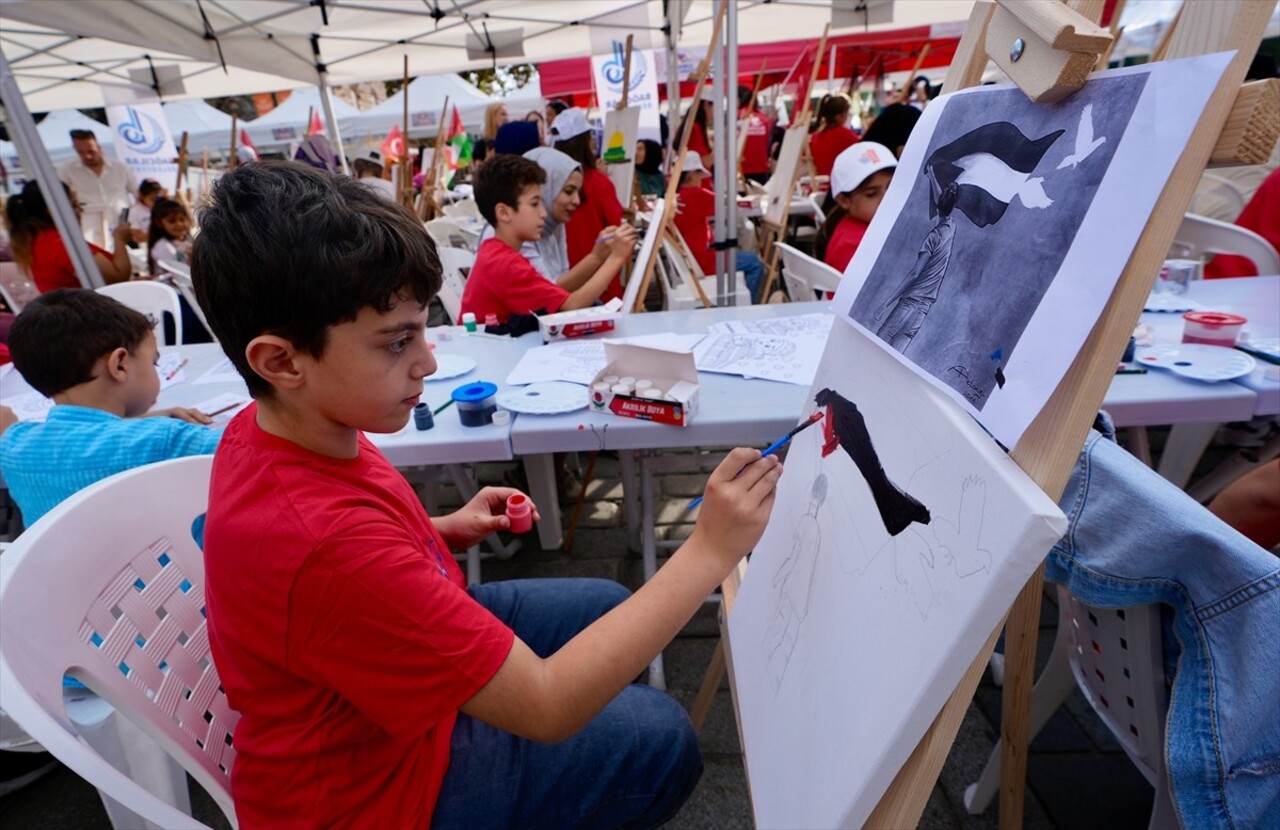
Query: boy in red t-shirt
<point x="695" y="211"/>
<point x="374" y="688"/>
<point x="755" y="145"/>
<point x="502" y="282"/>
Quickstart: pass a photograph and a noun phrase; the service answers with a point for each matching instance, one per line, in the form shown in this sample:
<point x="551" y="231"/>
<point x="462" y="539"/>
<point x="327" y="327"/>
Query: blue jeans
<point x="1135" y="539"/>
<point x="633" y="765"/>
<point x="752" y="268"/>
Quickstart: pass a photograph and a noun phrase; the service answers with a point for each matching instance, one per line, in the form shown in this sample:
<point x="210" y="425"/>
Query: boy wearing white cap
<point x="859" y="178"/>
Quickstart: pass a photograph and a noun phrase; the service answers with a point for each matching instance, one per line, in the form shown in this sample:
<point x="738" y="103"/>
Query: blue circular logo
<point x="615" y="67"/>
<point x="141" y="137"/>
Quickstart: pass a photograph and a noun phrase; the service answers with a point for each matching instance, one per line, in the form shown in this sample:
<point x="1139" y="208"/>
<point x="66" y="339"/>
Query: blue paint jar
<point x="422" y="417"/>
<point x="476" y="403"/>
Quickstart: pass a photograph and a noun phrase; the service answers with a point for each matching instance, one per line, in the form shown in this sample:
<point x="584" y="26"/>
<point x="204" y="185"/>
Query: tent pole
<point x="718" y="154"/>
<point x="730" y="171"/>
<point x="673" y="85"/>
<point x="22" y="129"/>
<point x="331" y="121"/>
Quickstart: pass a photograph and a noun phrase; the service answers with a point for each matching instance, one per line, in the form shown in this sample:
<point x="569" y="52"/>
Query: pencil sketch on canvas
<point x="882" y="571"/>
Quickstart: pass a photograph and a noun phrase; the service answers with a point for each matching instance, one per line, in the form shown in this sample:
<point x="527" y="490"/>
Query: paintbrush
<point x="774" y="447"/>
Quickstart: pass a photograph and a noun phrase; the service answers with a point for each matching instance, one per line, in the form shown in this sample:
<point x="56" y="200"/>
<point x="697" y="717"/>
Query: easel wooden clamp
<point x="1059" y="45"/>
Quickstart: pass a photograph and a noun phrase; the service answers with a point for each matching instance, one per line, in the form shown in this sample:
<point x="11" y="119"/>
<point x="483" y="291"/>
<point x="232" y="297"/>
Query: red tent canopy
<point x="857" y="55"/>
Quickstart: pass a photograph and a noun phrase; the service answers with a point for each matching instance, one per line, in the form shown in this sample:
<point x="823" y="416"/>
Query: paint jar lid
<point x="474" y="392"/>
<point x="502" y="417"/>
<point x="1214" y="318"/>
<point x="469" y="317"/>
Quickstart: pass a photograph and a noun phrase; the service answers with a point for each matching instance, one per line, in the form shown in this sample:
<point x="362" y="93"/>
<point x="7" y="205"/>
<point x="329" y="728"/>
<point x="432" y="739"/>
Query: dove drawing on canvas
<point x="1085" y="142"/>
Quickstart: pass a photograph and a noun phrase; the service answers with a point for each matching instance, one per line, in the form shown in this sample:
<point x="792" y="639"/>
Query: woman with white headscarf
<point x="561" y="195"/>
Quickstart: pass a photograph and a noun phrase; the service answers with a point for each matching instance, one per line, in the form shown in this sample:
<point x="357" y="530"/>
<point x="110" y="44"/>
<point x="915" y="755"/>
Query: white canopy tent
<point x="526" y="98"/>
<point x="288" y="122"/>
<point x="207" y="128"/>
<point x="426" y="99"/>
<point x="359" y="40"/>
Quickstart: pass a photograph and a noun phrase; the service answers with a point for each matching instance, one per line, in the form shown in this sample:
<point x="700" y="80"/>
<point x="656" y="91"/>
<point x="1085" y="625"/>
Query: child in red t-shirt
<point x="374" y="688"/>
<point x="831" y="135"/>
<point x="502" y="282"/>
<point x="859" y="178"/>
<point x="755" y="145"/>
<point x="695" y="210"/>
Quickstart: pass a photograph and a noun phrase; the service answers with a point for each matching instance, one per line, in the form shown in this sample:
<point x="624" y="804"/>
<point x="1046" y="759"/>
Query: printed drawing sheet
<point x="788" y="358"/>
<point x="1008" y="224"/>
<point x="900" y="534"/>
<point x="578" y="361"/>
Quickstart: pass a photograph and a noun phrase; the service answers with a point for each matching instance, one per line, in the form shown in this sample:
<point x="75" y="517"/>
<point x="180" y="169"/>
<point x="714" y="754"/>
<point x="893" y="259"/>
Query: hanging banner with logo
<point x="140" y="132"/>
<point x="607" y="71"/>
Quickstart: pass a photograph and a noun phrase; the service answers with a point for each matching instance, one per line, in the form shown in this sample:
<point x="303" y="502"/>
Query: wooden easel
<point x="1061" y="44"/>
<point x="428" y="206"/>
<point x="772" y="233"/>
<point x="673" y="184"/>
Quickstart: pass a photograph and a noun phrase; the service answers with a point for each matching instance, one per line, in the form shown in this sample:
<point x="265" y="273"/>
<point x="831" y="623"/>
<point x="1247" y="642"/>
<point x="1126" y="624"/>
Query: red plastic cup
<point x="520" y="512"/>
<point x="1212" y="328"/>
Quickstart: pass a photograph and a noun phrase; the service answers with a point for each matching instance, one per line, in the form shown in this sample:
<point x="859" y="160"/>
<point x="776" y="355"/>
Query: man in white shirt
<point x="105" y="186"/>
<point x="368" y="169"/>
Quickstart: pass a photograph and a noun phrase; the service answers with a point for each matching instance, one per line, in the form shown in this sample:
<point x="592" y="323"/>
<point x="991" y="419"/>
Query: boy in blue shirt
<point x="97" y="359"/>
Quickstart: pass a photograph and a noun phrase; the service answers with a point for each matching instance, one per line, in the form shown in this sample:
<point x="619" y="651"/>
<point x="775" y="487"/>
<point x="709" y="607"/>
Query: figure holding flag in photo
<point x="979" y="174"/>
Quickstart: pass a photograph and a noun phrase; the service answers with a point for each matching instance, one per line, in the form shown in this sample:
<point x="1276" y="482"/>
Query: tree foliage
<point x="502" y="80"/>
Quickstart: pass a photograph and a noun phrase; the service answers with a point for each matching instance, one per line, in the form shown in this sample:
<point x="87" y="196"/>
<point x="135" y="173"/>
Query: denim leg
<point x="752" y="268"/>
<point x="547" y="613"/>
<point x="633" y="765"/>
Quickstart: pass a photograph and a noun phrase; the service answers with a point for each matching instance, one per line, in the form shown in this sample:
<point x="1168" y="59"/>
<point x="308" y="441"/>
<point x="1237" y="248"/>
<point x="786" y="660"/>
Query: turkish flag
<point x="316" y="127"/>
<point x="245" y="142"/>
<point x="393" y="144"/>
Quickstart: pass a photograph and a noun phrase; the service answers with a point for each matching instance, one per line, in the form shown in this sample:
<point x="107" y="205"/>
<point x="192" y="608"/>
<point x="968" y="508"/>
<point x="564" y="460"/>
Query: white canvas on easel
<point x="648" y="250"/>
<point x="777" y="194"/>
<point x="621" y="129"/>
<point x="847" y="638"/>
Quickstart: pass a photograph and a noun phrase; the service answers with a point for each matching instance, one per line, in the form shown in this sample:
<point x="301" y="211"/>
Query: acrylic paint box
<point x="579" y="322"/>
<point x="647" y="383"/>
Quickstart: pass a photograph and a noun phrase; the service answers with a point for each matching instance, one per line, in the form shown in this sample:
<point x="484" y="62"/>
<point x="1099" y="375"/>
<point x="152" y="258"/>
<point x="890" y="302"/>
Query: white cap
<point x="693" y="164"/>
<point x="570" y="123"/>
<point x="856" y="164"/>
<point x="371" y="154"/>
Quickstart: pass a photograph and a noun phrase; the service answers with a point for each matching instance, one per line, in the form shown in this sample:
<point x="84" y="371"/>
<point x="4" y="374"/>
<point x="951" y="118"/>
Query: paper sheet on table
<point x="787" y="359"/>
<point x="169" y="368"/>
<point x="219" y="404"/>
<point x="816" y="325"/>
<point x="31" y="406"/>
<point x="580" y="361"/>
<point x="1007" y="225"/>
<point x="224" y="371"/>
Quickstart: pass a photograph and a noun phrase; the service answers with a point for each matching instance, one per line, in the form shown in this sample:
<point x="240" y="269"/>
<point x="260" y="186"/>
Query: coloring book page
<point x="578" y="361"/>
<point x="1008" y="224"/>
<point x="784" y="358"/>
<point x="803" y="325"/>
<point x="900" y="534"/>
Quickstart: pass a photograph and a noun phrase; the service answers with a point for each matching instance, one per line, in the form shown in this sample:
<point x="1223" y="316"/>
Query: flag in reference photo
<point x="459" y="149"/>
<point x="393" y="144"/>
<point x="316" y="127"/>
<point x="991" y="165"/>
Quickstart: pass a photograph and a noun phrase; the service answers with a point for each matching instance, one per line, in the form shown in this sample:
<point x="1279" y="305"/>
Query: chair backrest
<point x="1199" y="237"/>
<point x="15" y="287"/>
<point x="153" y="299"/>
<point x="806" y="276"/>
<point x="456" y="265"/>
<point x="180" y="274"/>
<point x="446" y="234"/>
<point x="679" y="270"/>
<point x="1217" y="197"/>
<point x="1118" y="663"/>
<point x="109" y="588"/>
<point x="462" y="208"/>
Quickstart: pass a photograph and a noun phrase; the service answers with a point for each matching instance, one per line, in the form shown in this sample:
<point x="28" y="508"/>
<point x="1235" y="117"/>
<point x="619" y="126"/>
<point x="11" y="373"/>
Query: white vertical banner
<point x="141" y="132"/>
<point x="607" y="72"/>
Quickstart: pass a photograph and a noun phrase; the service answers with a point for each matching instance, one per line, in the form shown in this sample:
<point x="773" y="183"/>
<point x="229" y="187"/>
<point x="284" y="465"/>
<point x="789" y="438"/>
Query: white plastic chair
<point x="456" y="265"/>
<point x="463" y="208"/>
<point x="15" y="288"/>
<point x="1217" y="197"/>
<point x="806" y="278"/>
<point x="679" y="270"/>
<point x="180" y="274"/>
<point x="448" y="234"/>
<point x="153" y="299"/>
<point x="109" y="588"/>
<point x="1200" y="237"/>
<point x="1115" y="657"/>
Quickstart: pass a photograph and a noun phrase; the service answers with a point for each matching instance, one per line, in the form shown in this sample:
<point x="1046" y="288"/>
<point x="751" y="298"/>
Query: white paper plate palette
<point x="1170" y="303"/>
<point x="450" y="366"/>
<point x="549" y="398"/>
<point x="1199" y="361"/>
